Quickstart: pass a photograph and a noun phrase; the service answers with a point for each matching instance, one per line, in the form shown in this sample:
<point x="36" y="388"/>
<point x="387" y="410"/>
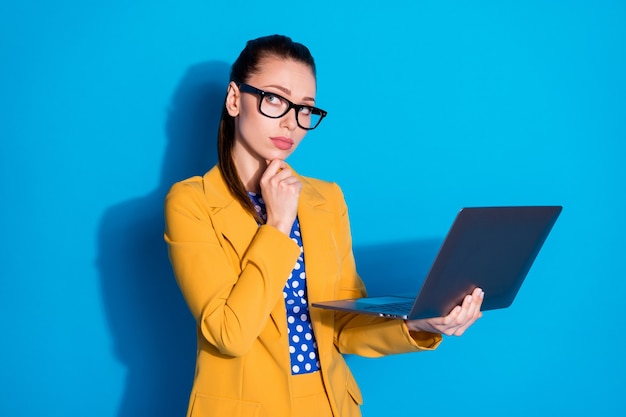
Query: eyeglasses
<point x="275" y="106"/>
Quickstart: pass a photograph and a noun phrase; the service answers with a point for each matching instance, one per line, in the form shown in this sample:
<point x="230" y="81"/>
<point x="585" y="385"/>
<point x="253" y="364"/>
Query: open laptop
<point x="488" y="247"/>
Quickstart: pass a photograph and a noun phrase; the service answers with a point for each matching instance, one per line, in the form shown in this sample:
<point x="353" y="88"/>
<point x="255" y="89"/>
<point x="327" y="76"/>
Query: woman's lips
<point x="282" y="142"/>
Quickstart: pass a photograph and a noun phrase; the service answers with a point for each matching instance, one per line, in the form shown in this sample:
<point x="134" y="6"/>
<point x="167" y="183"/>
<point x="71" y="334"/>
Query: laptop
<point x="488" y="247"/>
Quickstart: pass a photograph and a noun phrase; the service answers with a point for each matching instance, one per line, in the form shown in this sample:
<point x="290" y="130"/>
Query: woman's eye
<point x="306" y="111"/>
<point x="271" y="99"/>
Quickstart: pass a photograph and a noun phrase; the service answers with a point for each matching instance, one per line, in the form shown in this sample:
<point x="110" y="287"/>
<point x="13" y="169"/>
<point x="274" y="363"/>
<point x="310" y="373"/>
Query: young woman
<point x="252" y="244"/>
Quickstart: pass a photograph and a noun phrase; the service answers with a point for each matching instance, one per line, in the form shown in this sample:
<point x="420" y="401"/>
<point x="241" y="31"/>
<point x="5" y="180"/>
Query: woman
<point x="234" y="236"/>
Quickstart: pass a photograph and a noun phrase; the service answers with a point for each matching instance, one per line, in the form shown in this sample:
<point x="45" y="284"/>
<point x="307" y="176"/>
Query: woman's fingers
<point x="281" y="192"/>
<point x="469" y="313"/>
<point x="458" y="320"/>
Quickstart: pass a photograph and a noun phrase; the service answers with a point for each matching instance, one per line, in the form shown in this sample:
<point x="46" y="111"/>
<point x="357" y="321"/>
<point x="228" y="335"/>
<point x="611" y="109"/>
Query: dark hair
<point x="246" y="65"/>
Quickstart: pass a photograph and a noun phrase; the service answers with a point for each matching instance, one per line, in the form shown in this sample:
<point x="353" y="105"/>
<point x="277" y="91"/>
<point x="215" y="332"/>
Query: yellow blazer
<point x="232" y="273"/>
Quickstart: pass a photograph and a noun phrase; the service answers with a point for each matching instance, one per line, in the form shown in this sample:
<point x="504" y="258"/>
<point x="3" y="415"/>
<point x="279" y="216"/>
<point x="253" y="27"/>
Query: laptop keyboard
<point x="402" y="306"/>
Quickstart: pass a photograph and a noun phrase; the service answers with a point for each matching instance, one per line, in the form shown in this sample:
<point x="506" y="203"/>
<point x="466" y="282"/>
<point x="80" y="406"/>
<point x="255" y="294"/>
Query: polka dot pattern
<point x="302" y="345"/>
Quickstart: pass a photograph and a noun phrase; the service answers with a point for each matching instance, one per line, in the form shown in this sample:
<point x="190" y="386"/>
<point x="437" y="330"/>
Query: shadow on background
<point x="396" y="268"/>
<point x="153" y="331"/>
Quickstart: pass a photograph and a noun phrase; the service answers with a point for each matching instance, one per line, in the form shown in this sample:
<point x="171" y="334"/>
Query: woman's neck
<point x="250" y="173"/>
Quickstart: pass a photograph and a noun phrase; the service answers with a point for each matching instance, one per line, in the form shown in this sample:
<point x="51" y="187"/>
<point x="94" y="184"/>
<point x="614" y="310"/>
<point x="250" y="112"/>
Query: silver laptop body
<point x="488" y="247"/>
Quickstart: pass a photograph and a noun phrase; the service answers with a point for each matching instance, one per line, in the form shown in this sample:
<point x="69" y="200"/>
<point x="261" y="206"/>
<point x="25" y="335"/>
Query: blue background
<point x="433" y="105"/>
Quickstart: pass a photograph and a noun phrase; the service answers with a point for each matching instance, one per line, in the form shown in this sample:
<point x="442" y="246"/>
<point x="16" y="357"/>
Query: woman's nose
<point x="289" y="119"/>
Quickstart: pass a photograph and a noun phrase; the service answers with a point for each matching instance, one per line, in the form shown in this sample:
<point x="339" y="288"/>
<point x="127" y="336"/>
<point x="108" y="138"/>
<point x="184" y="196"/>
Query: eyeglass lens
<point x="276" y="106"/>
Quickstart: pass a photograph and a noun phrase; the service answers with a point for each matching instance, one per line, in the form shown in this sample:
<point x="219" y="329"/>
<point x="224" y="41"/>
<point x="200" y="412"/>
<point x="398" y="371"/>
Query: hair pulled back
<point x="247" y="64"/>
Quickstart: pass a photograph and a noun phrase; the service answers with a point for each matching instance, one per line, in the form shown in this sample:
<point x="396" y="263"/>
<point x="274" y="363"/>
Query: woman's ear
<point x="233" y="96"/>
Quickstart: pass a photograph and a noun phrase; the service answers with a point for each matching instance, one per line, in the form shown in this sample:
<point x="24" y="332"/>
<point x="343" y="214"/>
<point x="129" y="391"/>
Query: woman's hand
<point x="454" y="324"/>
<point x="281" y="191"/>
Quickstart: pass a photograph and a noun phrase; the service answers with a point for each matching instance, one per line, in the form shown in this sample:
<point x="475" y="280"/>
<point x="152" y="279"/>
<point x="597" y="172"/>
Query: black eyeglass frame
<point x="247" y="88"/>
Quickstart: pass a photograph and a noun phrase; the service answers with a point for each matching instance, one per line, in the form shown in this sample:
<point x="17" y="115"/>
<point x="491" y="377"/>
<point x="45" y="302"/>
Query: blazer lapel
<point x="317" y="240"/>
<point x="232" y="220"/>
<point x="314" y="221"/>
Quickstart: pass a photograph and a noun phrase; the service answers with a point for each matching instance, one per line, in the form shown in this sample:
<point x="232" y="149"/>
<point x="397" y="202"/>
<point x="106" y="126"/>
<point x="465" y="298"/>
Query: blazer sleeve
<point x="231" y="299"/>
<point x="362" y="334"/>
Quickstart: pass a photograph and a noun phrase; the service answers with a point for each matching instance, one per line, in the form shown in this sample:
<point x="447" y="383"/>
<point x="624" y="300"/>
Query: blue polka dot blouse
<point x="302" y="346"/>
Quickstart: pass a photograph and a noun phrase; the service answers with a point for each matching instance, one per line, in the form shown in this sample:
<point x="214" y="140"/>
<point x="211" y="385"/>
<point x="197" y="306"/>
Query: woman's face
<point x="259" y="138"/>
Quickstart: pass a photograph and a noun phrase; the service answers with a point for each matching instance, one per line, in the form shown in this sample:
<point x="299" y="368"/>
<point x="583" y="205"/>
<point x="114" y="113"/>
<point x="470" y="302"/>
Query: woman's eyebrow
<point x="288" y="92"/>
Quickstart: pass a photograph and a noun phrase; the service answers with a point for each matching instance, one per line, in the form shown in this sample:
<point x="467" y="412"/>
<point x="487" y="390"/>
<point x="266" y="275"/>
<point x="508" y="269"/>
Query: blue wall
<point x="434" y="104"/>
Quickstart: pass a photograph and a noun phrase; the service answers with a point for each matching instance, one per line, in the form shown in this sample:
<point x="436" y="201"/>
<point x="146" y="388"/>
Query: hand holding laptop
<point x="454" y="324"/>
